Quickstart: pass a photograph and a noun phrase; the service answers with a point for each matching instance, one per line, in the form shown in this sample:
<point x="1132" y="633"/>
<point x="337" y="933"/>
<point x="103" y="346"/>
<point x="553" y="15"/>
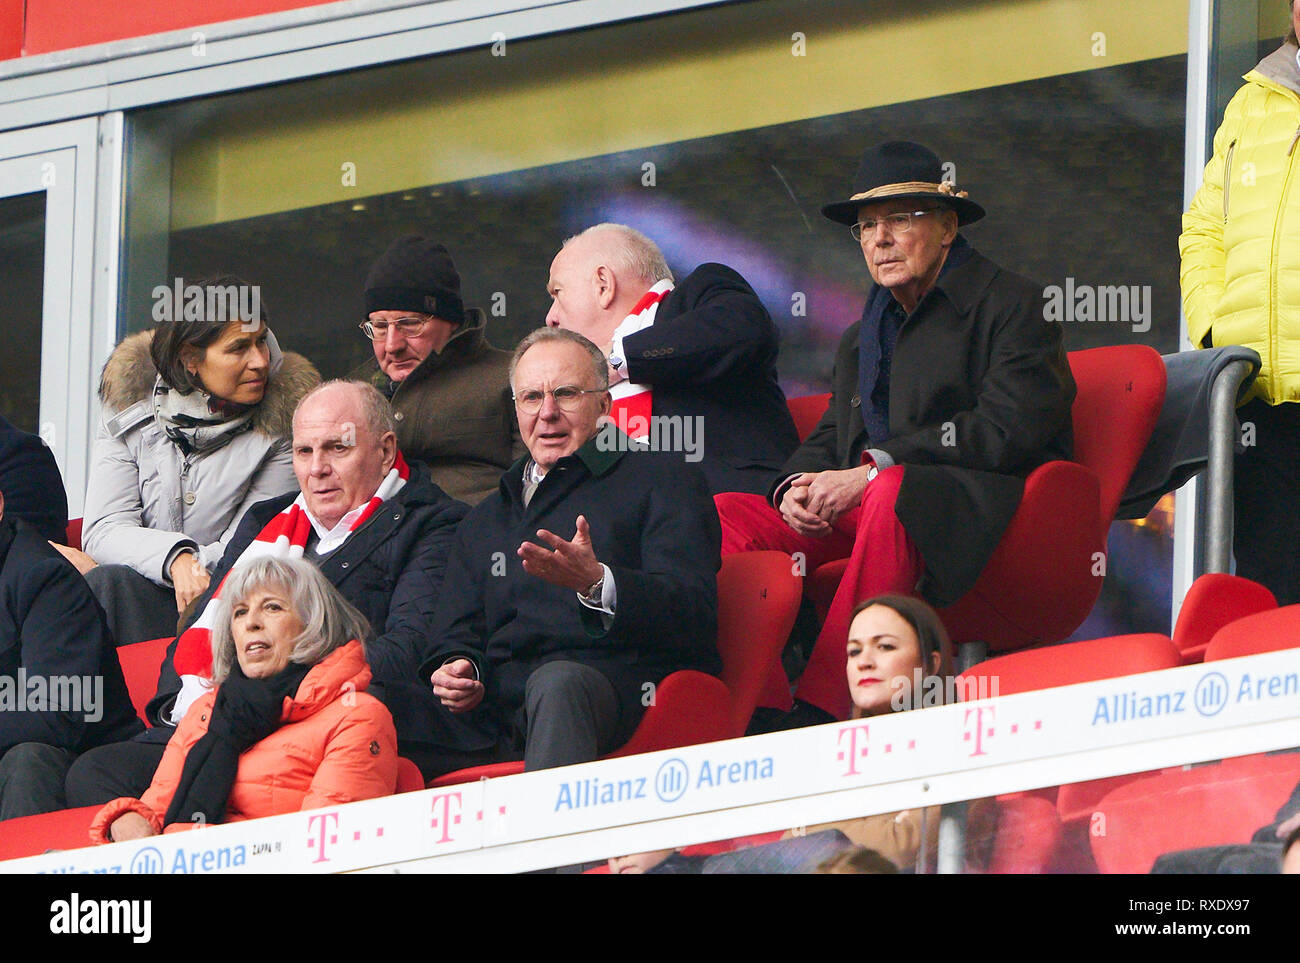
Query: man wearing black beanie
<point x="449" y="388"/>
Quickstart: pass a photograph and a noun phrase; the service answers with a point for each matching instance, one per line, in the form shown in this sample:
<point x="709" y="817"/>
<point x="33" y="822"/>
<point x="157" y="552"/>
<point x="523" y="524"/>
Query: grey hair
<point x="375" y="409"/>
<point x="633" y="254"/>
<point x="599" y="366"/>
<point x="328" y="619"/>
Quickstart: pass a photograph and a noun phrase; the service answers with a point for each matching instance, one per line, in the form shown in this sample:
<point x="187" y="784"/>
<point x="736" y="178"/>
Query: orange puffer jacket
<point x="335" y="744"/>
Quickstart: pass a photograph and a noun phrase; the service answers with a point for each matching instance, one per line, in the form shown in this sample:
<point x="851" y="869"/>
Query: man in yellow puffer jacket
<point x="1241" y="285"/>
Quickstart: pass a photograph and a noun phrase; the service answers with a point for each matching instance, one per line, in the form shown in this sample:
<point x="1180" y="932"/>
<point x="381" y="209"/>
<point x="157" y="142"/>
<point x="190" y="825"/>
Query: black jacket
<point x="52" y="627"/>
<point x="652" y="522"/>
<point x="391" y="569"/>
<point x="980" y="395"/>
<point x="712" y="353"/>
<point x="31" y="484"/>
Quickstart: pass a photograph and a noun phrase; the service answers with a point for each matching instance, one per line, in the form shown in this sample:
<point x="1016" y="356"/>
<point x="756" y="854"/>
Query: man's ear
<point x="935" y="661"/>
<point x="388" y="444"/>
<point x="2" y="497"/>
<point x="606" y="286"/>
<point x="190" y="359"/>
<point x="949" y="228"/>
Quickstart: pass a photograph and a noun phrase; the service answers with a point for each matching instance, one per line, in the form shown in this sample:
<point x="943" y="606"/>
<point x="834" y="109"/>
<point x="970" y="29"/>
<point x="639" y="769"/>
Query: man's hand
<point x="794" y="508"/>
<point x="454" y="684"/>
<point x="130" y="826"/>
<point x="571" y="565"/>
<point x="83" y="562"/>
<point x="189" y="578"/>
<point x="832" y="493"/>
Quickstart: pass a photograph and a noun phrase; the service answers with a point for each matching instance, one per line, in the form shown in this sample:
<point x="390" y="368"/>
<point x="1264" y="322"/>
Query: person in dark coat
<point x="950" y="389"/>
<point x="390" y="568"/>
<point x="446" y="383"/>
<point x="61" y="686"/>
<point x="589" y="577"/>
<point x="31" y="481"/>
<point x="692" y="367"/>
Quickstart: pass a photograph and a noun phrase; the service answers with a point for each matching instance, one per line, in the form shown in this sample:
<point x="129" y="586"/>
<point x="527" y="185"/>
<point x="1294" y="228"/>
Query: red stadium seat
<point x="758" y="599"/>
<point x="1045" y="668"/>
<point x="1261" y="632"/>
<point x="409" y="777"/>
<point x="1184" y="809"/>
<point x="806" y="411"/>
<point x="74" y="533"/>
<point x="1214" y="601"/>
<point x="33" y="835"/>
<point x="1043" y="579"/>
<point x="140" y="663"/>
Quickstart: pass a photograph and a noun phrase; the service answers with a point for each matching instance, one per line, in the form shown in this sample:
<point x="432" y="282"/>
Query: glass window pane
<point x="22" y="278"/>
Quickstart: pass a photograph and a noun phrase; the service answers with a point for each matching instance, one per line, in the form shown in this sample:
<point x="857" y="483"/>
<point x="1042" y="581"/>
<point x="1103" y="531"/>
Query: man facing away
<point x="692" y="366"/>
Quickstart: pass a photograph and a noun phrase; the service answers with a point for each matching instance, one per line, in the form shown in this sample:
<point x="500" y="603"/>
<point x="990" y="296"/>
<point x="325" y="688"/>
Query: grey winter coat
<point x="146" y="500"/>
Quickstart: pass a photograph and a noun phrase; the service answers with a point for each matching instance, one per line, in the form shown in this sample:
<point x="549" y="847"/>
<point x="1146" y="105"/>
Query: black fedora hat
<point x="897" y="170"/>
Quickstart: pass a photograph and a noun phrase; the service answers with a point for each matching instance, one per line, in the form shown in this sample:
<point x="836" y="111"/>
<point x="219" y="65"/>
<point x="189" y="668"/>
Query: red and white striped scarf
<point x="632" y="402"/>
<point x="284" y="536"/>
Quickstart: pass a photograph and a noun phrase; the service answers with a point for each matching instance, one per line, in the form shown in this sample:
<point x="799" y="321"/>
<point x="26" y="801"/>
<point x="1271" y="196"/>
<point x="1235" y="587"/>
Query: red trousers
<point x="882" y="559"/>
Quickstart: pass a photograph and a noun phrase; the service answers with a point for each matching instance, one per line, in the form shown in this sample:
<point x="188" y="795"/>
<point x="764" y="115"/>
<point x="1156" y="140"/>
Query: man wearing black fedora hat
<point x="449" y="388"/>
<point x="948" y="391"/>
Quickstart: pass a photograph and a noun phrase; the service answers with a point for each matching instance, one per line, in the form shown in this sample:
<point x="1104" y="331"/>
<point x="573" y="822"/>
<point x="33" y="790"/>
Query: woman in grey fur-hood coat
<point x="148" y="499"/>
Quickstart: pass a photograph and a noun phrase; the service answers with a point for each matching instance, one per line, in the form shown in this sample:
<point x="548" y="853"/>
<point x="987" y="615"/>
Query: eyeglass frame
<point x="857" y="231"/>
<point x="551" y="391"/>
<point x="368" y="327"/>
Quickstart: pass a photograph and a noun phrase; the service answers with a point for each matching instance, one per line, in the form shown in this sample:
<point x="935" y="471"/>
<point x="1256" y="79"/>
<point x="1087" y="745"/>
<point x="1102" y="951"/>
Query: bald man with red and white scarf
<point x="692" y="366"/>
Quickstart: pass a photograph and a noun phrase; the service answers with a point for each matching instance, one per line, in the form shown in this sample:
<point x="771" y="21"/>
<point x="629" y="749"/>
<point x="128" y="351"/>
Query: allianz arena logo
<point x="1211" y="694"/>
<point x="671" y="781"/>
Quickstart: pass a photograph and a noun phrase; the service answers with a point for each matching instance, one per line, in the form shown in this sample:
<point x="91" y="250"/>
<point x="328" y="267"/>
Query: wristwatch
<point x="593" y="594"/>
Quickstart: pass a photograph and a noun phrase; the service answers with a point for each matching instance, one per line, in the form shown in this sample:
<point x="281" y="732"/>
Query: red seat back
<point x="1176" y="810"/>
<point x="33" y="835"/>
<point x="74" y="533"/>
<point x="1074" y="662"/>
<point x="1121" y="392"/>
<point x="758" y="600"/>
<point x="1213" y="601"/>
<point x="409" y="778"/>
<point x="1262" y="632"/>
<point x="140" y="663"/>
<point x="806" y="411"/>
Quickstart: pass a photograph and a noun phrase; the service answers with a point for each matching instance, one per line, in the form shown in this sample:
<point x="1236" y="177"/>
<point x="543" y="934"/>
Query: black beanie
<point x="415" y="274"/>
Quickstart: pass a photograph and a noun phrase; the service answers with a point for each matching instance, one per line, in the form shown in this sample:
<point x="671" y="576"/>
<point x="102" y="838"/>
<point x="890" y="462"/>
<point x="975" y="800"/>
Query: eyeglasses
<point x="899" y="223"/>
<point x="409" y="327"/>
<point x="568" y="397"/>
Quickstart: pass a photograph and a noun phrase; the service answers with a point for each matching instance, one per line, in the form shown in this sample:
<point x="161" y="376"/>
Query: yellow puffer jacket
<point x="1241" y="238"/>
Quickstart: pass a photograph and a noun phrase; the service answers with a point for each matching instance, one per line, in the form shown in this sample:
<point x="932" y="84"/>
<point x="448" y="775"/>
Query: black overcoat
<point x="652" y="521"/>
<point x="52" y="627"/>
<point x="980" y="394"/>
<point x="711" y="353"/>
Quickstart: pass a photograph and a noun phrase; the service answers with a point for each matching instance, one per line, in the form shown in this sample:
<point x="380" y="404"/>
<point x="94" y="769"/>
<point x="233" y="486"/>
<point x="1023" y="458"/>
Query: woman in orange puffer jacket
<point x="288" y="727"/>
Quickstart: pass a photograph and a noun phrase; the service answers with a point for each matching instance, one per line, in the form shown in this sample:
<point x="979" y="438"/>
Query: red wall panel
<point x="59" y="24"/>
<point x="11" y="28"/>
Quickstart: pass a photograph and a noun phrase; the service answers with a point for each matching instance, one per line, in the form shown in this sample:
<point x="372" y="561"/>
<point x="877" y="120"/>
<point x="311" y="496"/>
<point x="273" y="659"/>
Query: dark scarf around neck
<point x="245" y="712"/>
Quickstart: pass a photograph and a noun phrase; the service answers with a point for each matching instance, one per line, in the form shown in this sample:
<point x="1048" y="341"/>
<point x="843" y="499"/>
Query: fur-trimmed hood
<point x="129" y="376"/>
